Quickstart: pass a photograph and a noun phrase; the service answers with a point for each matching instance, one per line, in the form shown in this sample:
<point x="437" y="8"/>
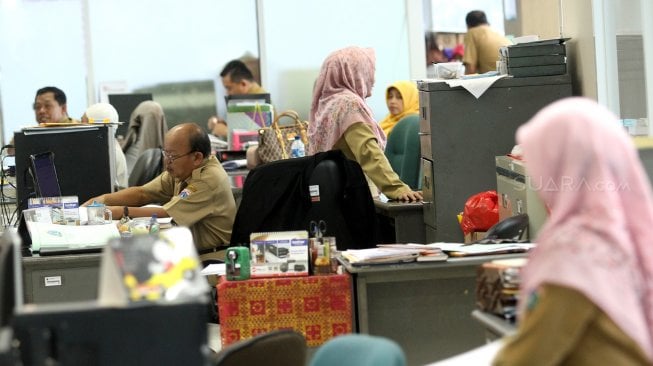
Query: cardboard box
<point x="279" y="254"/>
<point x="64" y="210"/>
<point x="474" y="236"/>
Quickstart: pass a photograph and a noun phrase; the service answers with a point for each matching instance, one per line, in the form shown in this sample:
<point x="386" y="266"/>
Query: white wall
<point x="299" y="34"/>
<point x="39" y="49"/>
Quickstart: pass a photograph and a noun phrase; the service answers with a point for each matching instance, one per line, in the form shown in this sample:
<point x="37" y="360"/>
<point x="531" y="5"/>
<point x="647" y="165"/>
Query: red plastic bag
<point x="481" y="212"/>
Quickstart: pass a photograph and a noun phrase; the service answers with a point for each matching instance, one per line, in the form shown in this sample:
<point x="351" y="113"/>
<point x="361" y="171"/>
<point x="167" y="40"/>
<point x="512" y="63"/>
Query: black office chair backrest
<point x="147" y="167"/>
<point x="286" y="195"/>
<point x="276" y="348"/>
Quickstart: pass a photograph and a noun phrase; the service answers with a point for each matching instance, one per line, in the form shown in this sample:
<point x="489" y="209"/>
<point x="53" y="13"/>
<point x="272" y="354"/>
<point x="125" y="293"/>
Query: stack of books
<point x="538" y="58"/>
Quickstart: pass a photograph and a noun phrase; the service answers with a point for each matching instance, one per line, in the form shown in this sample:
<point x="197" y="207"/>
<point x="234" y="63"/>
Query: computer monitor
<point x="45" y="175"/>
<point x="125" y="105"/>
<point x="258" y="98"/>
<point x="85" y="333"/>
<point x="84" y="162"/>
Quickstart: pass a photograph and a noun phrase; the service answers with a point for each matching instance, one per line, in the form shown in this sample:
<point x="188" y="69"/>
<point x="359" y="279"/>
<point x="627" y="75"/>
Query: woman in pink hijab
<point x="586" y="296"/>
<point x="341" y="120"/>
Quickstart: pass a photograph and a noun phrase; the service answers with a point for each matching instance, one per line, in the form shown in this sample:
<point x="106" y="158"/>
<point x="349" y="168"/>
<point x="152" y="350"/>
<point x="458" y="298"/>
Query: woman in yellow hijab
<point x="402" y="99"/>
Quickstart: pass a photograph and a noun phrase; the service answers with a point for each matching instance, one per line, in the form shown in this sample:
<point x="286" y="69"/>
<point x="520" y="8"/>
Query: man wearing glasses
<point x="194" y="190"/>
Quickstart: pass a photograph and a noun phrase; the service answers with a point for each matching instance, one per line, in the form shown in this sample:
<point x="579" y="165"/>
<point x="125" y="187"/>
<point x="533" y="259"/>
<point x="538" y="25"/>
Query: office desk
<point x="495" y="327"/>
<point x="61" y="278"/>
<point x="423" y="306"/>
<point x="405" y="219"/>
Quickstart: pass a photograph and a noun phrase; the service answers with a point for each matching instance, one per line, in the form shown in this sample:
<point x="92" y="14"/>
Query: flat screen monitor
<point x="260" y="98"/>
<point x="125" y="105"/>
<point x="45" y="175"/>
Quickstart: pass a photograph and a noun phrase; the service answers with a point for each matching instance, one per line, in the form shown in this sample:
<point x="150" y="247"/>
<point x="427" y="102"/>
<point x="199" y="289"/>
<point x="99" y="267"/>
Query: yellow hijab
<point x="409" y="95"/>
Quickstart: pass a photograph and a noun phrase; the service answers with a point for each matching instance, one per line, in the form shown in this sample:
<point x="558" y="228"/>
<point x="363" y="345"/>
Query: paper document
<point x="214" y="269"/>
<point x="381" y="255"/>
<point x="46" y="235"/>
<point x="479" y="249"/>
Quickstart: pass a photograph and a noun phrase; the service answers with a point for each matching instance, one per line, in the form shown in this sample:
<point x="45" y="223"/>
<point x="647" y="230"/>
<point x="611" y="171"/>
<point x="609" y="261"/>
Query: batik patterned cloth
<point x="319" y="307"/>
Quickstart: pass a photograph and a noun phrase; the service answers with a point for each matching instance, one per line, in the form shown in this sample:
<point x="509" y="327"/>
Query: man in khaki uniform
<point x="194" y="190"/>
<point x="482" y="44"/>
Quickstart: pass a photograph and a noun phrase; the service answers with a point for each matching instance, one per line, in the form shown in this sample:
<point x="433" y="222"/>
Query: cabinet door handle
<point x="427" y="202"/>
<point x="423" y="133"/>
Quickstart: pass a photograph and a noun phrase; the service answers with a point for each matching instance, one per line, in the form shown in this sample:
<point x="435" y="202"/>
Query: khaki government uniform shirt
<point x="359" y="143"/>
<point x="206" y="205"/>
<point x="563" y="327"/>
<point x="482" y="48"/>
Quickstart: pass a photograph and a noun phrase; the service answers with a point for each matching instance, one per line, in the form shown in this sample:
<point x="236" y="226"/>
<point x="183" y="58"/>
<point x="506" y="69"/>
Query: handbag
<point x="274" y="141"/>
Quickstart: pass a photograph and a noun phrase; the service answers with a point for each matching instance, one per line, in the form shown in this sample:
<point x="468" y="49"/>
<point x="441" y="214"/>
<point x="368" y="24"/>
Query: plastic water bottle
<point x="154" y="224"/>
<point x="297" y="149"/>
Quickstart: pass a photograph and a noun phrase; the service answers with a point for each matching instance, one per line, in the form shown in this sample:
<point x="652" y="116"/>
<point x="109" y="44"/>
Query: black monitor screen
<point x="125" y="105"/>
<point x="45" y="175"/>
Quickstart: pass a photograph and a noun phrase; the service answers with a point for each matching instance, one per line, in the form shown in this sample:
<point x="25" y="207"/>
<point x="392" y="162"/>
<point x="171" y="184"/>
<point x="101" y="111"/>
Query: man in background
<point x="236" y="79"/>
<point x="50" y="106"/>
<point x="481" y="44"/>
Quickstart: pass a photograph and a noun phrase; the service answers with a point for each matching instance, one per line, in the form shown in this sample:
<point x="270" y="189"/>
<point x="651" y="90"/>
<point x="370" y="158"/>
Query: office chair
<point x="403" y="150"/>
<point x="287" y="194"/>
<point x="282" y="347"/>
<point x="147" y="167"/>
<point x="359" y="350"/>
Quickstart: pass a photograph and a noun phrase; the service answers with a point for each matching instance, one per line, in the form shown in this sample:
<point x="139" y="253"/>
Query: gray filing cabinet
<point x="517" y="194"/>
<point x="461" y="136"/>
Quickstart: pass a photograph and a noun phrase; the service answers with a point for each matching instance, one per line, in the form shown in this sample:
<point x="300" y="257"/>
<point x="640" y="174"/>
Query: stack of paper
<point x="380" y="255"/>
<point x="427" y="253"/>
<point x="459" y="249"/>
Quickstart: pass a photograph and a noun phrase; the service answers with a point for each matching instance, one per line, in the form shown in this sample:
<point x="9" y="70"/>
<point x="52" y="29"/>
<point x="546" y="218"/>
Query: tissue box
<point x="278" y="254"/>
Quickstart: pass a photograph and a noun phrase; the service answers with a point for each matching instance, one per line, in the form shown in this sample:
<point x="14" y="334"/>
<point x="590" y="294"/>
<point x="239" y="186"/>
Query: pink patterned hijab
<point x="599" y="236"/>
<point x="345" y="80"/>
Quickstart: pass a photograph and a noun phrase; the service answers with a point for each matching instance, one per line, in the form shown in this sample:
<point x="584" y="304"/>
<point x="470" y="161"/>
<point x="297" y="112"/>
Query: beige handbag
<point x="274" y="141"/>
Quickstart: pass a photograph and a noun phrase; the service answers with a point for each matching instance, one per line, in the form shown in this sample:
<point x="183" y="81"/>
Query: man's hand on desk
<point x="410" y="196"/>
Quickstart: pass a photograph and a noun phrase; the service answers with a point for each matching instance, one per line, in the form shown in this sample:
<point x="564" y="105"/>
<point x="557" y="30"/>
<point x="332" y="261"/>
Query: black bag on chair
<point x="287" y="194"/>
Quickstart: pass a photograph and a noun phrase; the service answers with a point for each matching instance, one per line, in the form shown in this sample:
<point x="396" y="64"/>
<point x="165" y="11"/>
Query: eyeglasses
<point x="172" y="158"/>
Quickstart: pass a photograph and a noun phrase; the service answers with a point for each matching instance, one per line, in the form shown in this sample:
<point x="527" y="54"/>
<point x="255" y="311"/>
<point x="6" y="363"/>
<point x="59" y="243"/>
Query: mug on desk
<point x="98" y="214"/>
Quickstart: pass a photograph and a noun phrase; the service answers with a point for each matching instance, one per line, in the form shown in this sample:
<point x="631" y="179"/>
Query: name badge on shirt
<point x="186" y="192"/>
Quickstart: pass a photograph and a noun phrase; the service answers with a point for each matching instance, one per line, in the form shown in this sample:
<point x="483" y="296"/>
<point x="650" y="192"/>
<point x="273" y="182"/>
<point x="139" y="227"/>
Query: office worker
<point x="147" y="128"/>
<point x="106" y="113"/>
<point x="237" y="79"/>
<point x="482" y="44"/>
<point x="402" y="99"/>
<point x="194" y="190"/>
<point x="586" y="295"/>
<point x="341" y="119"/>
<point x="50" y="106"/>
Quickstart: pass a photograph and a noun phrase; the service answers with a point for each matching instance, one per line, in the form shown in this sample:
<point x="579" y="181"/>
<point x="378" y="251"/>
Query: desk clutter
<point x="319" y="307"/>
<point x="497" y="287"/>
<point x="537" y="58"/>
